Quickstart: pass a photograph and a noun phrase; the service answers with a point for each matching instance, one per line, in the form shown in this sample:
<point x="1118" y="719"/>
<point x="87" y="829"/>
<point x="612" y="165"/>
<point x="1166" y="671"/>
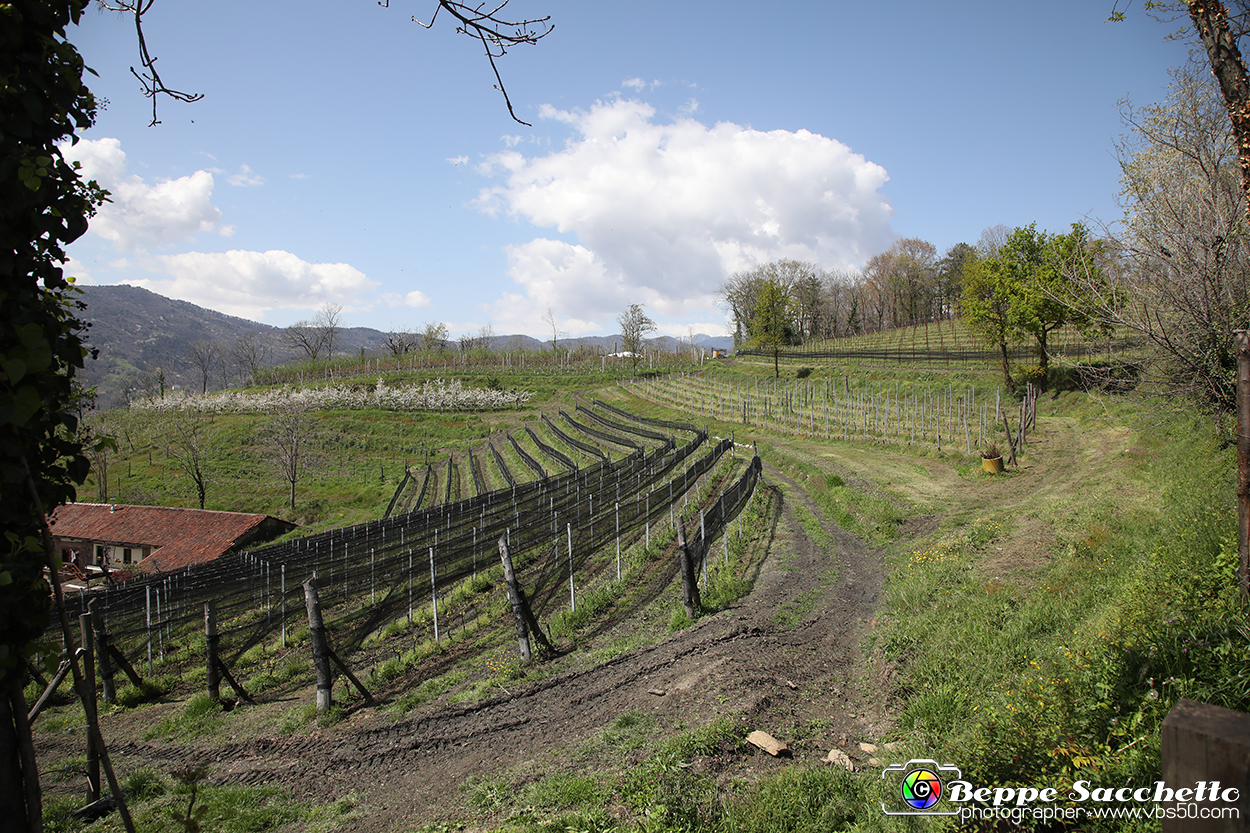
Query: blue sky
<point x="343" y="154"/>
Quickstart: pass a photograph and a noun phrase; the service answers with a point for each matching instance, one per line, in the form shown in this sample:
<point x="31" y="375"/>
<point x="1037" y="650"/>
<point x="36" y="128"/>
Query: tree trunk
<point x="18" y="815"/>
<point x="1211" y="22"/>
<point x="1011" y="386"/>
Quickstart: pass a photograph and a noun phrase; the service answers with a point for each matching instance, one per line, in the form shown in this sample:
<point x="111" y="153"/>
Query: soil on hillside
<point x="785" y="659"/>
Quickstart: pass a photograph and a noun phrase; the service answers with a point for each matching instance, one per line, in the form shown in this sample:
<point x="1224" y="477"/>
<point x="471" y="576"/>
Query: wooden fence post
<point x="321" y="659"/>
<point x="434" y="595"/>
<point x="1206" y="745"/>
<point x="210" y="643"/>
<point x="102" y="652"/>
<point x="1242" y="342"/>
<point x="689" y="581"/>
<point x="514" y="599"/>
<point x="87" y="694"/>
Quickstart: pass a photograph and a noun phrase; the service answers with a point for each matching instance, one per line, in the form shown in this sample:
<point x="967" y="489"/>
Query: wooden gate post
<point x="321" y="657"/>
<point x="210" y="643"/>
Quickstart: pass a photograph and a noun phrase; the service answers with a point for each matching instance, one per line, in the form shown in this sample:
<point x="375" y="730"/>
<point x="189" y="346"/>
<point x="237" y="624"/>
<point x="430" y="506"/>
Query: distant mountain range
<point x="138" y="333"/>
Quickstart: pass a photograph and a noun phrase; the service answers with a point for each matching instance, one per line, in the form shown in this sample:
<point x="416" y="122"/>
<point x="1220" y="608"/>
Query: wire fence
<point x="944" y="416"/>
<point x="379" y="572"/>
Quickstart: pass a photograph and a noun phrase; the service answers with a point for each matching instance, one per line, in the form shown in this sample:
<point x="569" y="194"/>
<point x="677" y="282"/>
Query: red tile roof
<point x="179" y="537"/>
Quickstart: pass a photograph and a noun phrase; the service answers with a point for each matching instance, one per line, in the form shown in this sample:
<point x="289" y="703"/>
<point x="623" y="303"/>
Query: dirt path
<point x="784" y="658"/>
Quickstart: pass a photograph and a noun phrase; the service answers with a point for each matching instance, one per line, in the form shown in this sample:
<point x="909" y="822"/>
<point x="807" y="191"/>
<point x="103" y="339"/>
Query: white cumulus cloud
<point x="662" y="212"/>
<point x="142" y="213"/>
<point x="245" y="178"/>
<point x="249" y="284"/>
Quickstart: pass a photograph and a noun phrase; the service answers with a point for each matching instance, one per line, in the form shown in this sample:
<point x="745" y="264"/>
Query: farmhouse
<point x="157" y="538"/>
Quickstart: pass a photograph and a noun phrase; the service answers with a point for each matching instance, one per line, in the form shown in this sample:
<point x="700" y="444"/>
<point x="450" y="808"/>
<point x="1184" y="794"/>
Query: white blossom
<point x="433" y="395"/>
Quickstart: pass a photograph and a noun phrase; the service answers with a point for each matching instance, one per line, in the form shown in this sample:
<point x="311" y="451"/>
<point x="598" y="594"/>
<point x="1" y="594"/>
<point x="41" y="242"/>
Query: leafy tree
<point x="635" y="324"/>
<point x="950" y="275"/>
<point x="986" y="306"/>
<point x="772" y="324"/>
<point x="902" y="280"/>
<point x="1025" y="290"/>
<point x="434" y="337"/>
<point x="1040" y="302"/>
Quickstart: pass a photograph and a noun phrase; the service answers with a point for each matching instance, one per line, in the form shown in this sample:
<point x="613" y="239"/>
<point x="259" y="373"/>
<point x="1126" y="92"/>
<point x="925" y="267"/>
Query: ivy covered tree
<point x="43" y="207"/>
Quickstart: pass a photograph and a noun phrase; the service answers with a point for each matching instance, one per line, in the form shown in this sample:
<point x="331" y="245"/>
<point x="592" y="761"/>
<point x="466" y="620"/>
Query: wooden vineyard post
<point x="321" y="660"/>
<point x="149" y="614"/>
<point x="572" y="585"/>
<point x="689" y="581"/>
<point x="514" y="586"/>
<point x="210" y="642"/>
<point x="1242" y="345"/>
<point x="514" y="599"/>
<point x="102" y="652"/>
<point x="434" y="596"/>
<point x="87" y="694"/>
<point x="284" y="604"/>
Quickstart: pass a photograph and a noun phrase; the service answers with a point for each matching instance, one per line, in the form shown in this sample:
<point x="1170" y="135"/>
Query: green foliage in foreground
<point x="669" y="790"/>
<point x="160" y="802"/>
<point x="1066" y="673"/>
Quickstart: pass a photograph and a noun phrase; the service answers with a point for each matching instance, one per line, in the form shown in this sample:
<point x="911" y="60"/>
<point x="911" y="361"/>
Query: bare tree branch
<point x="497" y="35"/>
<point x="151" y="81"/>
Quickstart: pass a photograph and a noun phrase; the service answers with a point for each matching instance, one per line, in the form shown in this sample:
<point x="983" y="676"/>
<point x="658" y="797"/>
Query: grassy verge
<point x="182" y="801"/>
<point x="1064" y="669"/>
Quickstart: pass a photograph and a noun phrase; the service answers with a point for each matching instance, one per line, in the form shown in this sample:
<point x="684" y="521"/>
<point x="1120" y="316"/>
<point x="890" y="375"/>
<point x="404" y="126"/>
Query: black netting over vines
<point x="372" y="574"/>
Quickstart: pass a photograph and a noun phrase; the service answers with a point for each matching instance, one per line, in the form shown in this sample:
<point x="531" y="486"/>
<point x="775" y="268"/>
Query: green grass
<point x="1067" y="672"/>
<point x="198" y="717"/>
<point x="160" y="802"/>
